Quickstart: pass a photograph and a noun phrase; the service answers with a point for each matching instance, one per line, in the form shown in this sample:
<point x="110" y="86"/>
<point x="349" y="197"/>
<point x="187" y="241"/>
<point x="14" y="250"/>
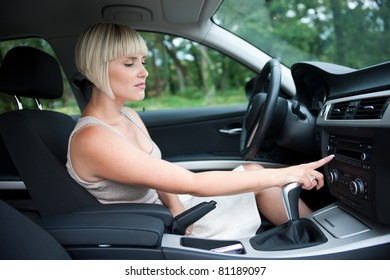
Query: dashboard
<point x="353" y="121"/>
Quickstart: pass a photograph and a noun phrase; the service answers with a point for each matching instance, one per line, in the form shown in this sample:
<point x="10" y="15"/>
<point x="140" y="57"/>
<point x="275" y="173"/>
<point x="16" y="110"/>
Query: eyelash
<point x="131" y="64"/>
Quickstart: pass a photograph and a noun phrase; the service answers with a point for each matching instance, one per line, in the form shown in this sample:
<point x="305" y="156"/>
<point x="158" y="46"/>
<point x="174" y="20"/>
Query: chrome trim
<point x="290" y="196"/>
<point x="38" y="103"/>
<point x="12" y="185"/>
<point x="18" y="103"/>
<point x="221" y="164"/>
<point x="233" y="131"/>
<point x="252" y="136"/>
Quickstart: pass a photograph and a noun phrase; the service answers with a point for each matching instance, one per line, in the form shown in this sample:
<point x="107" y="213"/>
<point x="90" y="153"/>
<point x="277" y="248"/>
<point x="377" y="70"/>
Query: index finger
<point x="321" y="162"/>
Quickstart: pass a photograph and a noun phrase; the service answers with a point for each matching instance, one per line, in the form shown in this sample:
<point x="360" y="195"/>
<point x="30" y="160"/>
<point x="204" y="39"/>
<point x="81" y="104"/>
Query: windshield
<point x="353" y="33"/>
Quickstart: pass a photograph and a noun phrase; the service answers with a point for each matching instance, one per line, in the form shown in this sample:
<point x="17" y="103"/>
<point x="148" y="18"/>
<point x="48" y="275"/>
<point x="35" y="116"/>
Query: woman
<point x="112" y="156"/>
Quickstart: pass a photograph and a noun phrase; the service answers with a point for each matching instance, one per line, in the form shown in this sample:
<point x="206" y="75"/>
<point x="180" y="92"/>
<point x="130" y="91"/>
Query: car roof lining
<point x="73" y="16"/>
<point x="65" y="20"/>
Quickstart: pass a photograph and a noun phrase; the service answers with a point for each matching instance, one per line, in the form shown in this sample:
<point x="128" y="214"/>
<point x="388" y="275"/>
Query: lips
<point x="141" y="85"/>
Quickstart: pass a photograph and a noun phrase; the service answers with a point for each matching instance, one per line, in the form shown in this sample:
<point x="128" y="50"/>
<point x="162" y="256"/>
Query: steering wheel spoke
<point x="261" y="109"/>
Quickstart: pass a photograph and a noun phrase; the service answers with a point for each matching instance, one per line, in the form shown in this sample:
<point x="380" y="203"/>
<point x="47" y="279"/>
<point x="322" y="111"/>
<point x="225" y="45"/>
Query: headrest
<point x="29" y="72"/>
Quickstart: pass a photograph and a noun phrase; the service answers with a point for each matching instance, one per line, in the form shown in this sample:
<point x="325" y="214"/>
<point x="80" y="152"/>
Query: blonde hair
<point x="100" y="44"/>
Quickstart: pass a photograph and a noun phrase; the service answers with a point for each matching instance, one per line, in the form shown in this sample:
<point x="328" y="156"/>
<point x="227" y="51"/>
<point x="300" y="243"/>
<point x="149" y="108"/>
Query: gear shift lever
<point x="296" y="233"/>
<point x="290" y="195"/>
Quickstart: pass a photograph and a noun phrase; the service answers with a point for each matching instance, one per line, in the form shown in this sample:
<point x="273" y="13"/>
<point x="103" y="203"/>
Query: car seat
<point x="37" y="139"/>
<point x="22" y="239"/>
<point x="37" y="142"/>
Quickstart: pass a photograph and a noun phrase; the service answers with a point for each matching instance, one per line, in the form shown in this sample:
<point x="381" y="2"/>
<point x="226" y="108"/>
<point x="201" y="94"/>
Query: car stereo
<point x="359" y="175"/>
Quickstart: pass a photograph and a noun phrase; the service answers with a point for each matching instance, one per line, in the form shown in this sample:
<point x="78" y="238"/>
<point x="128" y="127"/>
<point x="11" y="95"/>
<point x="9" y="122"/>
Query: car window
<point x="67" y="104"/>
<point x="184" y="74"/>
<point x="352" y="33"/>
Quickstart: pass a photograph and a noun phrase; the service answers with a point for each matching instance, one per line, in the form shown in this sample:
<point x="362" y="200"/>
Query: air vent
<point x="372" y="108"/>
<point x="364" y="109"/>
<point x="338" y="110"/>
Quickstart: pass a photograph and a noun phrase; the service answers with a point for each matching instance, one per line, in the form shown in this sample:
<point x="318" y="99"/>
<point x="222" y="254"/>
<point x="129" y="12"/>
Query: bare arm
<point x="171" y="201"/>
<point x="99" y="153"/>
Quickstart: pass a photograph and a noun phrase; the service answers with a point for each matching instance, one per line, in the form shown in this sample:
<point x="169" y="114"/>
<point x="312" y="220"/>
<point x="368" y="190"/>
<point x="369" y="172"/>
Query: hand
<point x="177" y="209"/>
<point x="304" y="174"/>
<point x="189" y="230"/>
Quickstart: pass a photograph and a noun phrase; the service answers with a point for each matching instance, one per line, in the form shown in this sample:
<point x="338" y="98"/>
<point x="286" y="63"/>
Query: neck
<point x="103" y="107"/>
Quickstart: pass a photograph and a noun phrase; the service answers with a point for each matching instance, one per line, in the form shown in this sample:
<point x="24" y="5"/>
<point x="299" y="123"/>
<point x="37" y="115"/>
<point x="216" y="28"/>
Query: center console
<point x="358" y="224"/>
<point x="348" y="235"/>
<point x="359" y="175"/>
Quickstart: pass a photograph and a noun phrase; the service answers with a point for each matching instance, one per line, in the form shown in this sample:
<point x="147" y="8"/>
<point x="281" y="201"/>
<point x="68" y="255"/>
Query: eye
<point x="129" y="64"/>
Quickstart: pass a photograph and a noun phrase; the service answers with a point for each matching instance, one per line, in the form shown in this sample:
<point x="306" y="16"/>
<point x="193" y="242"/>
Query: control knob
<point x="333" y="176"/>
<point x="357" y="186"/>
<point x="364" y="156"/>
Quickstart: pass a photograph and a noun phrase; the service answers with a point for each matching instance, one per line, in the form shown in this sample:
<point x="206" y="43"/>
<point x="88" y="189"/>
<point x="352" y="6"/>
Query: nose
<point x="143" y="72"/>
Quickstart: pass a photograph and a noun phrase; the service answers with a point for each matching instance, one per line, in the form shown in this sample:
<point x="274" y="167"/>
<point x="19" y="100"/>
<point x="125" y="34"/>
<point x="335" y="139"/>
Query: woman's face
<point x="128" y="77"/>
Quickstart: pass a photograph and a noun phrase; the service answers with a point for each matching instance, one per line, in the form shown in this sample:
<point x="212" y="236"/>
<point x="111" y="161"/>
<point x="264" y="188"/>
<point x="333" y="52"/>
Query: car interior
<point x="293" y="115"/>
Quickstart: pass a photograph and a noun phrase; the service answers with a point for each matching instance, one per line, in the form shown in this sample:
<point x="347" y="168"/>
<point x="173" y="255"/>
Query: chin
<point x="138" y="98"/>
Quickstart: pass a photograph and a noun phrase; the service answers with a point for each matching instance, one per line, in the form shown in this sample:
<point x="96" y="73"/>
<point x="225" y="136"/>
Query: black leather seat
<point x="37" y="139"/>
<point x="22" y="239"/>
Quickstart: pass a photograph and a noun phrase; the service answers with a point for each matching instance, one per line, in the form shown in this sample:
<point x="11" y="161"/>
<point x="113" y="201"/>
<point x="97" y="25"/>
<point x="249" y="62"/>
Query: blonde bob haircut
<point x="100" y="44"/>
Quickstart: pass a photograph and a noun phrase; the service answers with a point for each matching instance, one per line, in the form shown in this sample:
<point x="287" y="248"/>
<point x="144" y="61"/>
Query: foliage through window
<point x="184" y="74"/>
<point x="181" y="74"/>
<point x="353" y="33"/>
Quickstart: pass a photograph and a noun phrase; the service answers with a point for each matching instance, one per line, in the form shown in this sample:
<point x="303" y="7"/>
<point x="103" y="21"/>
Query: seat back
<point x="22" y="239"/>
<point x="37" y="139"/>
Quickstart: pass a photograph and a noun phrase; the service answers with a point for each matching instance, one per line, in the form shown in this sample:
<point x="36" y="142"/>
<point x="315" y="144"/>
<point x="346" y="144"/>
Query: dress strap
<point x="127" y="115"/>
<point x="156" y="152"/>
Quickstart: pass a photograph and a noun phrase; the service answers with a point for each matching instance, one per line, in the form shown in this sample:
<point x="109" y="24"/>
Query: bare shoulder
<point x="93" y="138"/>
<point x="100" y="153"/>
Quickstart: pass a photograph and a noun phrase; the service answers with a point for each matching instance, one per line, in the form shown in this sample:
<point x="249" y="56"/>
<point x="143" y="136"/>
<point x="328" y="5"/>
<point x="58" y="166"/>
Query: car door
<point x="193" y="134"/>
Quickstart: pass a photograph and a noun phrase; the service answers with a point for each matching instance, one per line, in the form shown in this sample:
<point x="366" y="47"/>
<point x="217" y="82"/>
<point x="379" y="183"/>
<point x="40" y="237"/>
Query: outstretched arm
<point x="99" y="153"/>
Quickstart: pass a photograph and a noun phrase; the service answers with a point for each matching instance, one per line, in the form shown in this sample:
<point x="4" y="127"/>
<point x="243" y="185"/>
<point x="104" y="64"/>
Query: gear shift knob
<point x="290" y="196"/>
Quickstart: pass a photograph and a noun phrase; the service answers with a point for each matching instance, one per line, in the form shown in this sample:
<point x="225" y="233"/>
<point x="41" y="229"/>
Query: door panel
<point x="195" y="133"/>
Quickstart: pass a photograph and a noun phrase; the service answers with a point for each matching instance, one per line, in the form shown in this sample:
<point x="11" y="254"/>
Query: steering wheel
<point x="261" y="109"/>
